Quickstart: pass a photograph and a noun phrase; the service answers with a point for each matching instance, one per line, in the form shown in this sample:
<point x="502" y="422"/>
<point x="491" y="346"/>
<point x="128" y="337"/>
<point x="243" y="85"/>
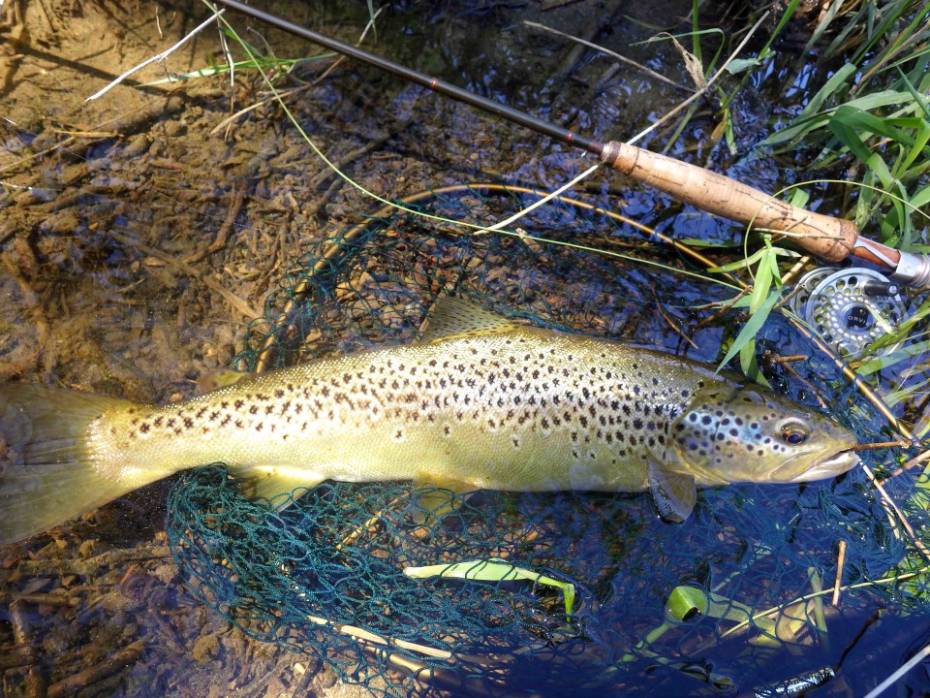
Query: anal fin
<point x="436" y="497"/>
<point x="275" y="483"/>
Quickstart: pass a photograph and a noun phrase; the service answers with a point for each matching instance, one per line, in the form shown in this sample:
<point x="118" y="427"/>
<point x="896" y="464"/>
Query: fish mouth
<point x="831" y="466"/>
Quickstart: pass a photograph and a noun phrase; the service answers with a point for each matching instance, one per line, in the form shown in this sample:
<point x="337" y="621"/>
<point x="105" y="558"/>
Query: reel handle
<point x="831" y="239"/>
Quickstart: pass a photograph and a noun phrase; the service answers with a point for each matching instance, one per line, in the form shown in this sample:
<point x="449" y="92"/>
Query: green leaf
<point x="920" y="142"/>
<point x="921" y="197"/>
<point x="746" y="262"/>
<point x="881" y="362"/>
<point x="493" y="570"/>
<point x="700" y="242"/>
<point x="685" y="601"/>
<point x="836" y="81"/>
<point x="860" y="120"/>
<point x="743" y="263"/>
<point x="799" y="198"/>
<point x="850" y="139"/>
<point x="904" y="329"/>
<point x="803" y="125"/>
<point x="740" y="65"/>
<point x="751" y="328"/>
<point x="878" y="166"/>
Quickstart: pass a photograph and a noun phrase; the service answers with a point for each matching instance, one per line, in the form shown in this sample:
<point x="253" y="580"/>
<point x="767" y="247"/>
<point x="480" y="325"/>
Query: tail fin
<point x="45" y="474"/>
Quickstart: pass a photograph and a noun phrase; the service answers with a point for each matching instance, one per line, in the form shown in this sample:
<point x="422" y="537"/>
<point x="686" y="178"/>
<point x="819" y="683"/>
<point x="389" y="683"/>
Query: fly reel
<point x="849" y="308"/>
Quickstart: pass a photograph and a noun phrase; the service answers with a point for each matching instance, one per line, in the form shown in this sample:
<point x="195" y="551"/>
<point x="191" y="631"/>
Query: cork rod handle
<point x="829" y="238"/>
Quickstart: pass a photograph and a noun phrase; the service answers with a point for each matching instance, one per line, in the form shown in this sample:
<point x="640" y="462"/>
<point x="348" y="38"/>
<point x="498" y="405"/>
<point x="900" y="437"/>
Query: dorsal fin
<point x="451" y="317"/>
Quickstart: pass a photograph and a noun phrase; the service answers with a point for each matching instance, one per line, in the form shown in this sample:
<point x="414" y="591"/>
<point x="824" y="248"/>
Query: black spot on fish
<point x="188" y="422"/>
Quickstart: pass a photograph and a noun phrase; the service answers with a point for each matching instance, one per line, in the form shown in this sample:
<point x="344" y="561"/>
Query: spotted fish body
<point x="485" y="405"/>
<point x="527" y="410"/>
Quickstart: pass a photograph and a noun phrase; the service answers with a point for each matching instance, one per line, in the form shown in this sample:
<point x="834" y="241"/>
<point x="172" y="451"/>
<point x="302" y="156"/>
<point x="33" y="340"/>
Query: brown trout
<point x="480" y="402"/>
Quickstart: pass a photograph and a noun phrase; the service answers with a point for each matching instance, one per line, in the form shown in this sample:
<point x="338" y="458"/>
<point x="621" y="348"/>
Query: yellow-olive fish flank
<point x="479" y="403"/>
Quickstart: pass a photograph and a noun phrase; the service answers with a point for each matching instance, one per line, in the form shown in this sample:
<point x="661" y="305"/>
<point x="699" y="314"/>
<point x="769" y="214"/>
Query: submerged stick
<point x="840" y="564"/>
<point x="117" y="661"/>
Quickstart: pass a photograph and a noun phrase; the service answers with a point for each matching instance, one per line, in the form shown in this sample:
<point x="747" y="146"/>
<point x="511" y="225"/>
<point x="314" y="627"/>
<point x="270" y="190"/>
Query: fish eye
<point x="794" y="434"/>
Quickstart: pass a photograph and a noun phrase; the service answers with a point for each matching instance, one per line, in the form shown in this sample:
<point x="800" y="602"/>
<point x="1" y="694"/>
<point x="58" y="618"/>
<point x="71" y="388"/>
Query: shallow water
<point x="109" y="214"/>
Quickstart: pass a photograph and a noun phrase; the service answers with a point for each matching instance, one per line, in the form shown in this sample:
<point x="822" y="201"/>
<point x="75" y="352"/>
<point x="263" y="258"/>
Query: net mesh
<point x="657" y="604"/>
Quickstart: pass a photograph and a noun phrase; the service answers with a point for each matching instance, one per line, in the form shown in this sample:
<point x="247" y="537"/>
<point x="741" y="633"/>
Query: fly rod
<point x="830" y="238"/>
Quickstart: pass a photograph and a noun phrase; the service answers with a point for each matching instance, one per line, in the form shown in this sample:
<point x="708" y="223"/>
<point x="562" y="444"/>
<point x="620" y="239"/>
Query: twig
<point x="790" y="359"/>
<point x="668" y="321"/>
<point x="840" y="564"/>
<point x="592" y="29"/>
<point x="354" y="534"/>
<point x="536" y="204"/>
<point x="111" y="558"/>
<point x="900" y="514"/>
<point x="158" y="57"/>
<point x="280" y="95"/>
<point x="850" y="374"/>
<point x="880" y="405"/>
<point x="770" y="612"/>
<point x="912" y="463"/>
<point x="881" y="444"/>
<point x="235" y="301"/>
<point x="353" y="155"/>
<point x="813" y="388"/>
<point x="902" y="670"/>
<point x="50" y="599"/>
<point x="112" y="664"/>
<point x="35" y="682"/>
<point x="607" y="51"/>
<point x="222" y="235"/>
<point x="245" y="110"/>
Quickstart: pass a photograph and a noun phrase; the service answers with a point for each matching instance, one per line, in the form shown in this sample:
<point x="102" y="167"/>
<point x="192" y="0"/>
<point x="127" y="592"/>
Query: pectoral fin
<point x="674" y="494"/>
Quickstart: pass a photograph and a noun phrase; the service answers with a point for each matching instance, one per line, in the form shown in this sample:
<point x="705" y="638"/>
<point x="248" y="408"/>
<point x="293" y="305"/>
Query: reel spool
<point x="850" y="308"/>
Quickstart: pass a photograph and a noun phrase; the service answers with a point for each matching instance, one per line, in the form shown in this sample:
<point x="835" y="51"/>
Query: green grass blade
<point x="751" y="328"/>
<point x="493" y="570"/>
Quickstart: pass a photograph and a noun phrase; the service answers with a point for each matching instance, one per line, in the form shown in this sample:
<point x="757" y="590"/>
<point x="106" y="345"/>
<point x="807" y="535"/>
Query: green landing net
<point x="511" y="593"/>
